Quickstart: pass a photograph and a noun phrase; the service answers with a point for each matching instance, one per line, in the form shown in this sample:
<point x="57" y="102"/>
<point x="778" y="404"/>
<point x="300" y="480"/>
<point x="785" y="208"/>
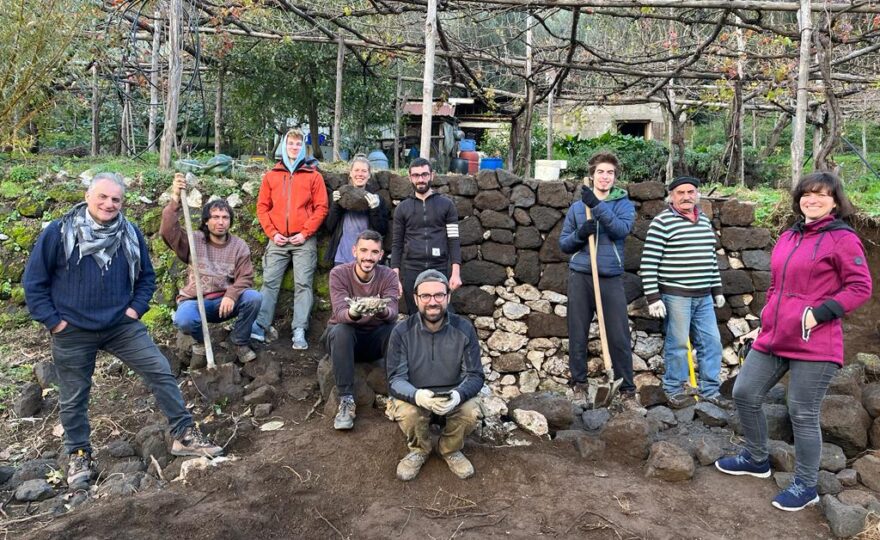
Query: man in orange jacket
<point x="291" y="206"/>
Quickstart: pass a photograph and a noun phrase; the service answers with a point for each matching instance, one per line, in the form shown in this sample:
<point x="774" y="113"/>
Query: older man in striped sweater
<point x="682" y="284"/>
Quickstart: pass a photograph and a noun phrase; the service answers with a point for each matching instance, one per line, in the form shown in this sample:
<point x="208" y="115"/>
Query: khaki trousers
<point x="413" y="421"/>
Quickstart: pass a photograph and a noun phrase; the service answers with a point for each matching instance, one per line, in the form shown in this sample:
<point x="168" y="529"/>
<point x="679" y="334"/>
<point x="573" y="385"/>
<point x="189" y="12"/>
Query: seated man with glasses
<point x="425" y="234"/>
<point x="363" y="297"/>
<point x="434" y="367"/>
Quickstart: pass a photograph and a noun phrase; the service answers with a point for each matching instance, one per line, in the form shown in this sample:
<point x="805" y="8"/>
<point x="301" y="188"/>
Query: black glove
<point x="589" y="197"/>
<point x="585" y="230"/>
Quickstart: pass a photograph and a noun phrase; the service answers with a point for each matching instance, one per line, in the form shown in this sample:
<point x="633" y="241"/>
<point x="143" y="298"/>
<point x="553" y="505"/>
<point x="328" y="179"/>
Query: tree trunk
<point x="832" y="125"/>
<point x="175" y="73"/>
<point x="96" y="113"/>
<point x="805" y="25"/>
<point x="428" y="79"/>
<point x="397" y="106"/>
<point x="781" y="123"/>
<point x="513" y="144"/>
<point x="218" y="109"/>
<point x="550" y="122"/>
<point x="124" y="126"/>
<point x="154" y="81"/>
<point x="733" y="150"/>
<point x="313" y="128"/>
<point x="337" y="111"/>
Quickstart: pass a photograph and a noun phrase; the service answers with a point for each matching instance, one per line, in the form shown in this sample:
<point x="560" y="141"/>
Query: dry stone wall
<point x="515" y="276"/>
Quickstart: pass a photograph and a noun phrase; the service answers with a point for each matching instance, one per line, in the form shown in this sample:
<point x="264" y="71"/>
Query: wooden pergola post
<point x="337" y="112"/>
<point x="799" y="135"/>
<point x="428" y="79"/>
<point x="175" y="73"/>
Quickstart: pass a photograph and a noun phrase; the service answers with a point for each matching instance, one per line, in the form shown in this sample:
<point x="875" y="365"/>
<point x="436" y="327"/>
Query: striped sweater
<point x="679" y="257"/>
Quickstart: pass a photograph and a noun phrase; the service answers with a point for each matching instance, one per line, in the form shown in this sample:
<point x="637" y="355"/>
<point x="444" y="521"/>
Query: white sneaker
<point x="299" y="339"/>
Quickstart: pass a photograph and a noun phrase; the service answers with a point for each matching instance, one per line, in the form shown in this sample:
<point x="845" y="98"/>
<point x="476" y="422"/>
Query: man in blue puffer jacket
<point x="613" y="217"/>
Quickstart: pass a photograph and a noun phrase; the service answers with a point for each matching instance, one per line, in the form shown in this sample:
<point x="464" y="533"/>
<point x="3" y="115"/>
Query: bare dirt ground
<point x="309" y="481"/>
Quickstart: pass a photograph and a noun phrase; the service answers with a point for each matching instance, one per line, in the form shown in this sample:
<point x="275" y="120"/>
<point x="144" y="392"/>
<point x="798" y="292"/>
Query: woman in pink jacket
<point x="818" y="274"/>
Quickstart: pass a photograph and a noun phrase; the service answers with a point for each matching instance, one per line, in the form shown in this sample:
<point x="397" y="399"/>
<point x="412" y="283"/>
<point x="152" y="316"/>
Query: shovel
<point x="213" y="383"/>
<point x="604" y="393"/>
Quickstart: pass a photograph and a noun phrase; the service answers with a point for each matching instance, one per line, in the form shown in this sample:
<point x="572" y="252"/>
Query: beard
<point x="434" y="316"/>
<point x="422" y="188"/>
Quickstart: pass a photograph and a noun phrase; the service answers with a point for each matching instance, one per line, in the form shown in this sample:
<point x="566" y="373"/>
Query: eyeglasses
<point x="420" y="175"/>
<point x="438" y="297"/>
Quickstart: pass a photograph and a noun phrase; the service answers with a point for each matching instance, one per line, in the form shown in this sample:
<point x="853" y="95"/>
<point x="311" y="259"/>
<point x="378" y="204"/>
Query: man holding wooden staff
<point x="225" y="270"/>
<point x="89" y="280"/>
<point x="613" y="215"/>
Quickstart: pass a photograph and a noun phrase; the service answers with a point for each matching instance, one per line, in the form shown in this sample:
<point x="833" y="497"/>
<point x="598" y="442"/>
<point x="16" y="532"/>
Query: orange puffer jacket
<point x="292" y="203"/>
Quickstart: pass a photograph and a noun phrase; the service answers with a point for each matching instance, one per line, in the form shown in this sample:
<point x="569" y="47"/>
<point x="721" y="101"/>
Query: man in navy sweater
<point x="89" y="280"/>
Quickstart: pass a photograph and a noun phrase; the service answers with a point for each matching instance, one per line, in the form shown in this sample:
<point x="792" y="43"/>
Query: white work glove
<point x="449" y="404"/>
<point x="719" y="301"/>
<point x="425" y="399"/>
<point x="356" y="307"/>
<point x="372" y="200"/>
<point x="657" y="309"/>
<point x="336" y="195"/>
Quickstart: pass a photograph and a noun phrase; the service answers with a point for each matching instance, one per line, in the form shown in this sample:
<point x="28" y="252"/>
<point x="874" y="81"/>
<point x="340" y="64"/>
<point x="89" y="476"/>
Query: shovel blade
<point x="224" y="381"/>
<point x="606" y="392"/>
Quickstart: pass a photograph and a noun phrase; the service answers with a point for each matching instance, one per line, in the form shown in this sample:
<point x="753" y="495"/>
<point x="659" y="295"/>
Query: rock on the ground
<point x="46" y="373"/>
<point x="263" y="394"/>
<point x="871" y="399"/>
<point x="707" y="451"/>
<point x="120" y="448"/>
<point x="29" y="401"/>
<point x="262" y="410"/>
<point x="34" y="490"/>
<point x="595" y="419"/>
<point x="847" y="381"/>
<point x="782" y="456"/>
<point x="669" y="462"/>
<point x="845" y="422"/>
<point x="493" y="406"/>
<point x="833" y="458"/>
<point x="685" y="415"/>
<point x="555" y="408"/>
<point x="628" y="436"/>
<point x="651" y="394"/>
<point x="778" y="422"/>
<point x="828" y="484"/>
<point x="848" y="477"/>
<point x="870" y="362"/>
<point x="844" y="520"/>
<point x="150" y="441"/>
<point x="31" y="470"/>
<point x="856" y="497"/>
<point x="531" y="421"/>
<point x="6" y="473"/>
<point x="590" y="448"/>
<point x="663" y="415"/>
<point x="711" y="415"/>
<point x="868" y="467"/>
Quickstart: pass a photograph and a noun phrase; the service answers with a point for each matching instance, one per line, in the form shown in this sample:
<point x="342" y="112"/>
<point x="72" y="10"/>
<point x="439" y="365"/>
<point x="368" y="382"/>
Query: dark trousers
<point x="408" y="278"/>
<point x="348" y="343"/>
<point x="74" y="351"/>
<point x="581" y="308"/>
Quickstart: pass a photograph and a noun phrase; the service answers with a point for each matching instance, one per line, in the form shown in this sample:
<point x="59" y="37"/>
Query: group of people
<point x="89" y="280"/>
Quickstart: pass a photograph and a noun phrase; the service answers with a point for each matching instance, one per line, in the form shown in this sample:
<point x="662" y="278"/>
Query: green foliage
<point x="158" y="316"/>
<point x="24" y="173"/>
<point x="11" y="190"/>
<point x="640" y="160"/>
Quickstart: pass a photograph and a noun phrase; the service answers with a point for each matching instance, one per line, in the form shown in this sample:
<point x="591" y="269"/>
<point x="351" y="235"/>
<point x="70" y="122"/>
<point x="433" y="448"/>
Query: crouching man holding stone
<point x="434" y="367"/>
<point x="363" y="296"/>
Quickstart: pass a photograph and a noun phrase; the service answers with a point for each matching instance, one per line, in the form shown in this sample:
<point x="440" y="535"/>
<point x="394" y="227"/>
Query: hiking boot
<point x="629" y="401"/>
<point x="199" y="358"/>
<point x="245" y="354"/>
<point x="459" y="465"/>
<point x="257" y="333"/>
<point x="680" y="400"/>
<point x="796" y="497"/>
<point x="345" y="414"/>
<point x="299" y="339"/>
<point x="410" y="465"/>
<point x="743" y="464"/>
<point x="193" y="443"/>
<point x="719" y="401"/>
<point x="580" y="392"/>
<point x="79" y="470"/>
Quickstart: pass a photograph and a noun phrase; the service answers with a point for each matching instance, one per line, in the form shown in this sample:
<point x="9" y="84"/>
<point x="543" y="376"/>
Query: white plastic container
<point x="548" y="169"/>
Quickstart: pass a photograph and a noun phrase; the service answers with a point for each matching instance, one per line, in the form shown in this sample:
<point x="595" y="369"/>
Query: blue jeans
<point x="74" y="351"/>
<point x="806" y="390"/>
<point x="694" y="318"/>
<point x="304" y="258"/>
<point x="246" y="309"/>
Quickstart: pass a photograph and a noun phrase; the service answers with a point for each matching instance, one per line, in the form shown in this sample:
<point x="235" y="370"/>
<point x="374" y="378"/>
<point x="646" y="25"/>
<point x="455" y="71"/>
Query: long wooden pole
<point x="798" y="140"/>
<point x="175" y="73"/>
<point x="337" y="111"/>
<point x="154" y="82"/>
<point x="194" y="262"/>
<point x="428" y="79"/>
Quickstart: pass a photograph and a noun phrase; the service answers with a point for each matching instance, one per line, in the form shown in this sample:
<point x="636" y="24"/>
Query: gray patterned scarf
<point x="100" y="241"/>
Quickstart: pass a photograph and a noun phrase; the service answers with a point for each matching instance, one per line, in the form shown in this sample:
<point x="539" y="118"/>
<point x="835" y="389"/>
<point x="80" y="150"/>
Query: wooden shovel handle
<point x="194" y="262"/>
<point x="594" y="270"/>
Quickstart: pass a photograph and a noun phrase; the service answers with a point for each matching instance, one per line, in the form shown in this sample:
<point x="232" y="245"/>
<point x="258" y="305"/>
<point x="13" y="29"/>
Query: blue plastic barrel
<point x="467" y="145"/>
<point x="378" y="160"/>
<point x="491" y="163"/>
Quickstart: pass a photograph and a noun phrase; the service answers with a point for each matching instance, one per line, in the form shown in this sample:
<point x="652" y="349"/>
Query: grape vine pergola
<point x="809" y="63"/>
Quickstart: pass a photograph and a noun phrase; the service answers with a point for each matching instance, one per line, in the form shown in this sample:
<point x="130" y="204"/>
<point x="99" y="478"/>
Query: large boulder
<point x="741" y="238"/>
<point x="482" y="273"/>
<point x="491" y="200"/>
<point x="544" y="217"/>
<point x="844" y="520"/>
<point x="29" y="401"/>
<point x="528" y="267"/>
<point x="736" y="282"/>
<point x="646" y="191"/>
<point x="399" y="187"/>
<point x="554" y="277"/>
<point x="554" y="194"/>
<point x="845" y="422"/>
<point x="847" y="382"/>
<point x="547" y="325"/>
<point x="756" y="259"/>
<point x="555" y="408"/>
<point x="628" y="436"/>
<point x="473" y="301"/>
<point x="868" y="467"/>
<point x="470" y="231"/>
<point x="463" y="185"/>
<point x="550" y="250"/>
<point x="528" y="238"/>
<point x="486" y="179"/>
<point x="871" y="399"/>
<point x="522" y="196"/>
<point x="669" y="462"/>
<point x="778" y="422"/>
<point x="736" y="213"/>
